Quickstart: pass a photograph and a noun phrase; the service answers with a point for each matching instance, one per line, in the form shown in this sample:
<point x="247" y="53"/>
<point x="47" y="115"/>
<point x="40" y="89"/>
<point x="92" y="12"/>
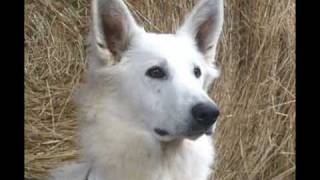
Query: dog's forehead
<point x="174" y="49"/>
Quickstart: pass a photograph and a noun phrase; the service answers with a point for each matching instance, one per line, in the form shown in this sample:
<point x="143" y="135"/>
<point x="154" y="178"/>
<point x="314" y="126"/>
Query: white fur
<point x="120" y="106"/>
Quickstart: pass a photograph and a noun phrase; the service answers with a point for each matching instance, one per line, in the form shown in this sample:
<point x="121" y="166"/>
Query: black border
<point x="307" y="76"/>
<point x="12" y="59"/>
<point x="13" y="75"/>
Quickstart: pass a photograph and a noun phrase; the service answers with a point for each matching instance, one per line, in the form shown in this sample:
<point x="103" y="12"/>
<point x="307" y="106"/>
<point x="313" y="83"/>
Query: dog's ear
<point x="204" y="25"/>
<point x="113" y="27"/>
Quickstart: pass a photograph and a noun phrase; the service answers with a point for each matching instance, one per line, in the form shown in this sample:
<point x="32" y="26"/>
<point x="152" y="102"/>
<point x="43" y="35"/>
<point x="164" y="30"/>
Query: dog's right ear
<point x="113" y="28"/>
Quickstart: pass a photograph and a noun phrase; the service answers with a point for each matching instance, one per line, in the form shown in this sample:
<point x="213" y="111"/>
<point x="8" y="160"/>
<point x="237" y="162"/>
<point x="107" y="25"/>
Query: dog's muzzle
<point x="204" y="115"/>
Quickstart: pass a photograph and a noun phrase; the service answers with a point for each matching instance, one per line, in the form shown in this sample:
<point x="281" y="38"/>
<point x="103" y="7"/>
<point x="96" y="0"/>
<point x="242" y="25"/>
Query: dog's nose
<point x="205" y="114"/>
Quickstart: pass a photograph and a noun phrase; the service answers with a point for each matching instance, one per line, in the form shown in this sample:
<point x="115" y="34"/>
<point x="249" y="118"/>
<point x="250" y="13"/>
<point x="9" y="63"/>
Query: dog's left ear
<point x="204" y="25"/>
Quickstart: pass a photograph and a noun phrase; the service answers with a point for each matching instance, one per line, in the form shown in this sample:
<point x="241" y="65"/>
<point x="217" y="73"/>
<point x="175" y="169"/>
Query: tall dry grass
<point x="255" y="138"/>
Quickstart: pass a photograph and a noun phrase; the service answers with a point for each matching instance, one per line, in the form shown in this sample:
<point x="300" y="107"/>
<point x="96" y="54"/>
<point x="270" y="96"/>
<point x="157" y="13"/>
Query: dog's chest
<point x="190" y="162"/>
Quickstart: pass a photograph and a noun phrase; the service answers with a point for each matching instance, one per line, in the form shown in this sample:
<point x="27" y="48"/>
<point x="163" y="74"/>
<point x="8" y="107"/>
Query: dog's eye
<point x="156" y="72"/>
<point x="197" y="72"/>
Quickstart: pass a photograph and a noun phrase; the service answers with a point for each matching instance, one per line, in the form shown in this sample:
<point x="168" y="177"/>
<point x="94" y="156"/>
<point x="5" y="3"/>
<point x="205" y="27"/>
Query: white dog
<point x="144" y="109"/>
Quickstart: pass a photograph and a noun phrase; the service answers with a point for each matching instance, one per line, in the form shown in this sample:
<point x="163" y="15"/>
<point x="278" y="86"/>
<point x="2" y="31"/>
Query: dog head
<point x="159" y="80"/>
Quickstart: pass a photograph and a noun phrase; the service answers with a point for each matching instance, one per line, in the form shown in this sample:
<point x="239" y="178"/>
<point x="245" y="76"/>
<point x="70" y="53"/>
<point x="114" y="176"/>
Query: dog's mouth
<point x="161" y="132"/>
<point x="165" y="135"/>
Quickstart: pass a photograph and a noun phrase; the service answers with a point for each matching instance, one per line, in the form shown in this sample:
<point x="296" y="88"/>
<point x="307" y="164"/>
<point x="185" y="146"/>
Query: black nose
<point x="205" y="114"/>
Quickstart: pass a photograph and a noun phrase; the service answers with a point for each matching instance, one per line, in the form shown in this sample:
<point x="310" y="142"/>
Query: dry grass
<point x="256" y="92"/>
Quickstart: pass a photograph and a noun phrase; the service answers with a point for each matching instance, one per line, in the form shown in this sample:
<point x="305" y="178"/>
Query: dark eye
<point x="156" y="72"/>
<point x="197" y="72"/>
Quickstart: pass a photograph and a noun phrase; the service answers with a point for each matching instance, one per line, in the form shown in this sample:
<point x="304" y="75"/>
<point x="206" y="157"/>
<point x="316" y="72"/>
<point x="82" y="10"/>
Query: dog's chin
<point x="166" y="138"/>
<point x="195" y="136"/>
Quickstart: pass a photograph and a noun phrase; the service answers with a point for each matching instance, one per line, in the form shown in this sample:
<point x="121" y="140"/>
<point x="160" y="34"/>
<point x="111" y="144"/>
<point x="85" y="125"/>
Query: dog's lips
<point x="161" y="132"/>
<point x="164" y="135"/>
